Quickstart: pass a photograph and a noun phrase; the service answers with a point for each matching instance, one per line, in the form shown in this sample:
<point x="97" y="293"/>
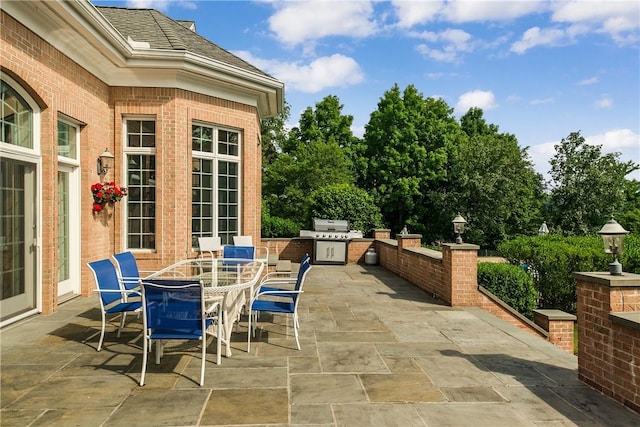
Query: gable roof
<point x="164" y="33"/>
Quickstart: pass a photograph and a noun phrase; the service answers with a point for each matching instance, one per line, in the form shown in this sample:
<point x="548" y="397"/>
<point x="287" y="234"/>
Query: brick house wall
<point x="62" y="87"/>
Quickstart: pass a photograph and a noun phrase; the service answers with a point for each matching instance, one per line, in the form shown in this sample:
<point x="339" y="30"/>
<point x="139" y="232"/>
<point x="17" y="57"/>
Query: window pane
<point x="228" y="142"/>
<point x="202" y="138"/>
<point x="67" y="136"/>
<point x="15" y="118"/>
<point x="141" y="200"/>
<point x="141" y="133"/>
<point x="202" y="190"/>
<point x="214" y="205"/>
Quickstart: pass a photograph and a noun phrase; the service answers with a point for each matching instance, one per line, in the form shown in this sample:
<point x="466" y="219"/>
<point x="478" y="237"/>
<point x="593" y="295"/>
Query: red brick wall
<point x="461" y="274"/>
<point x="62" y="86"/>
<point x="608" y="353"/>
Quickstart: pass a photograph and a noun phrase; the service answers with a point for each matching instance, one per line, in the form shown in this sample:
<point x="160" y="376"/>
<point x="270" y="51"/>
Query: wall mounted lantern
<point x="105" y="162"/>
<point x="458" y="227"/>
<point x="612" y="235"/>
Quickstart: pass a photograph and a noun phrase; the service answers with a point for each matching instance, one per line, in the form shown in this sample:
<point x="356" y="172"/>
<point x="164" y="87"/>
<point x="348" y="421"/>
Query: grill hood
<point x="330" y="225"/>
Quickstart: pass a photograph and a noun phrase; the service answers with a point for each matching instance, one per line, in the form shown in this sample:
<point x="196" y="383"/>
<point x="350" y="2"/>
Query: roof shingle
<point x="162" y="32"/>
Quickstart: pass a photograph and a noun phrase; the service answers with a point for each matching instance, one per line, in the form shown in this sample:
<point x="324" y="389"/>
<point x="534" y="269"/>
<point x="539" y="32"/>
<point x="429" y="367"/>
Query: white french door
<point x="68" y="233"/>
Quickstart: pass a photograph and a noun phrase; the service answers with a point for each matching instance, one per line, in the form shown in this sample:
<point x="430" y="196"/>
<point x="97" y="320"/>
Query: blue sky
<point x="538" y="69"/>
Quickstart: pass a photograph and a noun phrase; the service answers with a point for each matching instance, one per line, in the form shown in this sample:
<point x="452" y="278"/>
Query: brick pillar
<point x="460" y="262"/>
<point x="409" y="241"/>
<point x="608" y="353"/>
<point x="381" y="233"/>
<point x="560" y="326"/>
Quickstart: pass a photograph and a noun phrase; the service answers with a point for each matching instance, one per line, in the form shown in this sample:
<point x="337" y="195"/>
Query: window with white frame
<point x="68" y="140"/>
<point x="215" y="200"/>
<point x="140" y="157"/>
<point x="16" y="118"/>
<point x="68" y="143"/>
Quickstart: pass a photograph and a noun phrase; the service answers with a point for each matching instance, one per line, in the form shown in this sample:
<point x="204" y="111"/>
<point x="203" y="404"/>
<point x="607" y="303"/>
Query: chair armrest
<point x="276" y="293"/>
<point x="117" y="291"/>
<point x="281" y="275"/>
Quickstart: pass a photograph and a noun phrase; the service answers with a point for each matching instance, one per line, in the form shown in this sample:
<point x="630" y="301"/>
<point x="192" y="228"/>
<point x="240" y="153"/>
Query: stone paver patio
<point x="376" y="351"/>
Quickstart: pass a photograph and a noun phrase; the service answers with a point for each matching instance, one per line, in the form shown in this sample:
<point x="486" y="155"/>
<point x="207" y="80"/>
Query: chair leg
<point x="203" y="357"/>
<point x="159" y="351"/>
<point x="295" y="329"/>
<point x="145" y="352"/>
<point x="219" y="340"/>
<point x="249" y="331"/>
<point x="102" y="331"/>
<point x="123" y="316"/>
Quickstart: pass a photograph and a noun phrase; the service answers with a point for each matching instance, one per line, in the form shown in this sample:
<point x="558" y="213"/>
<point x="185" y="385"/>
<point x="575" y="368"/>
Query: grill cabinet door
<point x="330" y="252"/>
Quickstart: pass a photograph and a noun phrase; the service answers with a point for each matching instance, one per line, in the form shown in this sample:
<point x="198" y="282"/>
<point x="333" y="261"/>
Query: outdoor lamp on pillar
<point x="105" y="162"/>
<point x="613" y="236"/>
<point x="543" y="230"/>
<point x="458" y="227"/>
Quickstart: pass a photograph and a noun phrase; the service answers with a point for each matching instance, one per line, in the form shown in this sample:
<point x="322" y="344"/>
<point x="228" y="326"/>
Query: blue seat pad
<point x="274" y="306"/>
<point x="178" y="334"/>
<point x="124" y="306"/>
<point x="280" y="292"/>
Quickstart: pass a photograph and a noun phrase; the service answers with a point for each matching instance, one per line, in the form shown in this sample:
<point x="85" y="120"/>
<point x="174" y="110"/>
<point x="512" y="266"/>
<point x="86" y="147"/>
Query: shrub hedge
<point x="552" y="259"/>
<point x="511" y="284"/>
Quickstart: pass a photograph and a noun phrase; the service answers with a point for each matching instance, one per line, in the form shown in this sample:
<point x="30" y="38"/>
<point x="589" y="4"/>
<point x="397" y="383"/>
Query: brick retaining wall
<point x="609" y="334"/>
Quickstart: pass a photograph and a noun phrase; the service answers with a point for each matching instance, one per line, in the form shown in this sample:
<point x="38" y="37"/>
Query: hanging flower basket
<point x="106" y="193"/>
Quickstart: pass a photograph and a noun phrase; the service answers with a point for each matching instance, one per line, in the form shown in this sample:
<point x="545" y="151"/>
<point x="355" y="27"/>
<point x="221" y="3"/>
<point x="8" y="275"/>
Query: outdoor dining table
<point x="225" y="283"/>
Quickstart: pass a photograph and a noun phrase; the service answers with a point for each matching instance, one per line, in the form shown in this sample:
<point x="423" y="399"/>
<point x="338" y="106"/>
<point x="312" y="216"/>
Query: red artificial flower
<point x="97" y="207"/>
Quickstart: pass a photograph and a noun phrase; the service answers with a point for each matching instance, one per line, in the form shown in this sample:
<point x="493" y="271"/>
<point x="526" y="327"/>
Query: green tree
<point x="492" y="183"/>
<point x="587" y="187"/>
<point x="629" y="217"/>
<point x="403" y="155"/>
<point x="313" y="155"/>
<point x="274" y="135"/>
<point x="346" y="201"/>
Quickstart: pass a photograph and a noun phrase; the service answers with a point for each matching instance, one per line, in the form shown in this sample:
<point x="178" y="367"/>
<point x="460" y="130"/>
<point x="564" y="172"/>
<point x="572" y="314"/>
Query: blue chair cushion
<point x="124" y="306"/>
<point x="274" y="306"/>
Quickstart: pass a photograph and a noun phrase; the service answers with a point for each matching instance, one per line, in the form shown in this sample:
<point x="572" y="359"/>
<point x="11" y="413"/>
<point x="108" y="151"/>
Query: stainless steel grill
<point x="331" y="240"/>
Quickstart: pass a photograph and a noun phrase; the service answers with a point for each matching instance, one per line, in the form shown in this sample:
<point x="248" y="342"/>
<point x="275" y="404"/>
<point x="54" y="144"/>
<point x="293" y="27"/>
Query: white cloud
<point x="604" y="102"/>
<point x="619" y="19"/>
<point x="148" y="4"/>
<point x="542" y="101"/>
<point x="321" y="73"/>
<point x="411" y="13"/>
<point x="477" y="98"/>
<point x="618" y="140"/>
<point x="588" y="82"/>
<point x="161" y="4"/>
<point x="536" y="36"/>
<point x="453" y="42"/>
<point x="481" y="11"/>
<point x="297" y="22"/>
<point x="623" y="141"/>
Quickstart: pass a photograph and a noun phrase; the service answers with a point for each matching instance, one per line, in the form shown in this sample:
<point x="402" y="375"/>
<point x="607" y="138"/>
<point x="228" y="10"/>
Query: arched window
<point x="16" y="118"/>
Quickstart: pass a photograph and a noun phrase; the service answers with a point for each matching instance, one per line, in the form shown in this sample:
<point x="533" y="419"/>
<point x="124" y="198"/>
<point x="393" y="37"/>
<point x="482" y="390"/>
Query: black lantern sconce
<point x="105" y="162"/>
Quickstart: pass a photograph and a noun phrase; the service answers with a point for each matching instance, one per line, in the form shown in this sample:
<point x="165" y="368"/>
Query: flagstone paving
<point x="376" y="351"/>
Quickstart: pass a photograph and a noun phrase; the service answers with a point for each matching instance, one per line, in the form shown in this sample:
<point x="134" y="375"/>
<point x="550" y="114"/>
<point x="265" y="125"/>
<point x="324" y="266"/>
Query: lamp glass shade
<point x="458" y="224"/>
<point x="612" y="235"/>
<point x="106" y="159"/>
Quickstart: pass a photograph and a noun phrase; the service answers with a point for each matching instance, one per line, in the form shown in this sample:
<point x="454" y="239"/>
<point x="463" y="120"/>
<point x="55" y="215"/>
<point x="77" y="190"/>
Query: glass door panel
<point x="17" y="238"/>
<point x="68" y="275"/>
